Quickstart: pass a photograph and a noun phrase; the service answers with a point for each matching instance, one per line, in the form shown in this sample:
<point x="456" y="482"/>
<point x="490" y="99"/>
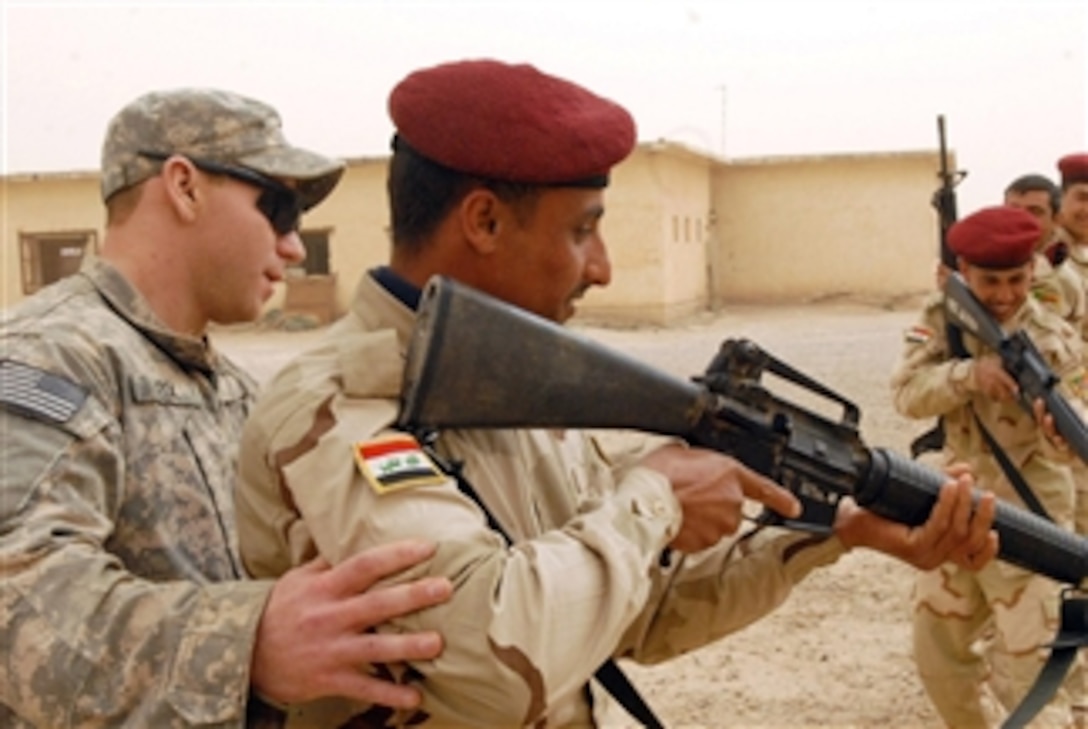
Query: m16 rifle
<point x="944" y="201"/>
<point x="476" y="362"/>
<point x="1020" y="359"/>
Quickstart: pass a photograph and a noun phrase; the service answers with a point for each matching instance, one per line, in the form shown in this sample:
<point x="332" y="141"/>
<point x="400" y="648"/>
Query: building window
<point x="49" y="257"/>
<point x="316" y="243"/>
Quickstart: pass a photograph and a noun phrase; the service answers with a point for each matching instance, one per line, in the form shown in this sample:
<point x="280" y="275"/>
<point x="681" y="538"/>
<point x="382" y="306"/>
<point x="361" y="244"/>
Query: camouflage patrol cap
<point x="214" y="125"/>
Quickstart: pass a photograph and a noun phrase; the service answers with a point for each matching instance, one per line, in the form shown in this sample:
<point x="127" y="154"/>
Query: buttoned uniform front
<point x="529" y="623"/>
<point x="116" y="519"/>
<point x="952" y="605"/>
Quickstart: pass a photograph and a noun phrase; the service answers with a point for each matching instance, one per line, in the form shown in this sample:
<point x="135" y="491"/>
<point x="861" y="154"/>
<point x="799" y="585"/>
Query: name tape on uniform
<point x="395" y="462"/>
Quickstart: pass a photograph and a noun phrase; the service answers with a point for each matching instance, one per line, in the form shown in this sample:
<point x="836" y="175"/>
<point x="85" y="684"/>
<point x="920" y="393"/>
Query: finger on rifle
<point x="770" y="494"/>
<point x="959" y="471"/>
<point x="359" y="571"/>
<point x="985" y="544"/>
<point x="381" y="604"/>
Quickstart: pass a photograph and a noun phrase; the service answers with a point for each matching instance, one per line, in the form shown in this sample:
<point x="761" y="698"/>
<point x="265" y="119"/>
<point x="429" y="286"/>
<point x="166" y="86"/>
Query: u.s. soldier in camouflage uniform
<point x="497" y="180"/>
<point x="995" y="248"/>
<point x="122" y="592"/>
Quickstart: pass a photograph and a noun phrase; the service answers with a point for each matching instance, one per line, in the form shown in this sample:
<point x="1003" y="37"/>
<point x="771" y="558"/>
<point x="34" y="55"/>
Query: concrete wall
<point x="655" y="225"/>
<point x="59" y="203"/>
<point x="685" y="231"/>
<point x="818" y="227"/>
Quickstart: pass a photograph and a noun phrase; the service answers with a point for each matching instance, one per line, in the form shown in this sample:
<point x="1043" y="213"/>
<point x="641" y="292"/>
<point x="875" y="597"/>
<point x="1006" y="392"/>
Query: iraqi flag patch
<point x="395" y="462"/>
<point x="918" y="334"/>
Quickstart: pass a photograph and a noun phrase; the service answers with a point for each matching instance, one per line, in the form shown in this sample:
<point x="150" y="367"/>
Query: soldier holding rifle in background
<point x="977" y="401"/>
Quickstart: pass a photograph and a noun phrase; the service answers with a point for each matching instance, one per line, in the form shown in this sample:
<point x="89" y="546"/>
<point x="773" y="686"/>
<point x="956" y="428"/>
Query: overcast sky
<point x="743" y="79"/>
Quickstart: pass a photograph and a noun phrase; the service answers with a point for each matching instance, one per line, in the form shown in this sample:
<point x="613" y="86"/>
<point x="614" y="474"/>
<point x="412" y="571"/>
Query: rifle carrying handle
<point x="906" y="491"/>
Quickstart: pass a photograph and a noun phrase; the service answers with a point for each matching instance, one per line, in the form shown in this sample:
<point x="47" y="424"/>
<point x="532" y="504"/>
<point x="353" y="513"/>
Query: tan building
<point x="686" y="232"/>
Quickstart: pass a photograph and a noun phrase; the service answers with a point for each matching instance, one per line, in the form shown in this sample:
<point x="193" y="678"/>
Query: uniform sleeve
<point x="706" y="596"/>
<point x="927" y="381"/>
<point x="1067" y="361"/>
<point x="86" y="641"/>
<point x="527" y="625"/>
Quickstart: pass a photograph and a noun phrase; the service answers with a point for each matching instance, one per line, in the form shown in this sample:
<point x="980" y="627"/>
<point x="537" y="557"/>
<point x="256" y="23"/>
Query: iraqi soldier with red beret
<point x="971" y="391"/>
<point x="497" y="180"/>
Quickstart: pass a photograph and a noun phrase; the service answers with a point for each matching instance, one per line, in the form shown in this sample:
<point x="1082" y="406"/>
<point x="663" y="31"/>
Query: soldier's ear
<point x="480" y="214"/>
<point x="181" y="187"/>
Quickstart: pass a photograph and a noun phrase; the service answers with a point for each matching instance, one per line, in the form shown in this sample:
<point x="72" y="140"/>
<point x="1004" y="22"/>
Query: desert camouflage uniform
<point x="1061" y="289"/>
<point x="116" y="518"/>
<point x="954" y="605"/>
<point x="528" y="625"/>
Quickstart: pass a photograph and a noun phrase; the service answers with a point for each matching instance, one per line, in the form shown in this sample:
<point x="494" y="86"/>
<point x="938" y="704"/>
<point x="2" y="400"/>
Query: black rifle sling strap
<point x="959" y="350"/>
<point x="609" y="675"/>
<point x="1072" y="636"/>
<point x="1073" y="631"/>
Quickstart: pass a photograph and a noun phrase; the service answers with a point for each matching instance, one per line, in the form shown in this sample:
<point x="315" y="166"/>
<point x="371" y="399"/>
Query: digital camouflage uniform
<point x="954" y="605"/>
<point x="528" y="625"/>
<point x="116" y="519"/>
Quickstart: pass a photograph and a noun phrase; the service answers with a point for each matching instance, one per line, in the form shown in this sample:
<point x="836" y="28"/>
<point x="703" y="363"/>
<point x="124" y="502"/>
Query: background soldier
<point x="995" y="249"/>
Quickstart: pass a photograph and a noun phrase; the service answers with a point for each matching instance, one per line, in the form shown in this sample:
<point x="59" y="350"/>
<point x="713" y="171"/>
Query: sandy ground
<point x="837" y="653"/>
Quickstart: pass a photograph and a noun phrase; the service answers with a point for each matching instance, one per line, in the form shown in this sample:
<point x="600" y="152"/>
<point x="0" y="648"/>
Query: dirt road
<point x="837" y="654"/>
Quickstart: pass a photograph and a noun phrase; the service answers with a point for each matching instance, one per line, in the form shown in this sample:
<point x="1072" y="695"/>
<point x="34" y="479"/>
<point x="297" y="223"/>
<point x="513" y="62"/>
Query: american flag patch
<point x="395" y="462"/>
<point x="38" y="393"/>
<point x="918" y="334"/>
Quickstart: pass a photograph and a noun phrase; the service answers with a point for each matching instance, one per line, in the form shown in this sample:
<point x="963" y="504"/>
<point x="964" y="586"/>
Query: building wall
<point x="818" y="227"/>
<point x="43" y="204"/>
<point x="357" y="218"/>
<point x="655" y="225"/>
<point x="685" y="231"/>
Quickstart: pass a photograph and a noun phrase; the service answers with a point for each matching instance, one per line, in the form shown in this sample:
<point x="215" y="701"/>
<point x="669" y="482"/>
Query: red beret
<point x="997" y="237"/>
<point x="1074" y="168"/>
<point x="512" y="123"/>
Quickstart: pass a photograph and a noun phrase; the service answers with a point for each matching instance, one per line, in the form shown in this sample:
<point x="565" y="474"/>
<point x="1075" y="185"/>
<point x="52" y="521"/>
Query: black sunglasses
<point x="277" y="202"/>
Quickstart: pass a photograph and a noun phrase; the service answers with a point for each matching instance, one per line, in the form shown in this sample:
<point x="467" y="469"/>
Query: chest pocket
<point x="177" y="519"/>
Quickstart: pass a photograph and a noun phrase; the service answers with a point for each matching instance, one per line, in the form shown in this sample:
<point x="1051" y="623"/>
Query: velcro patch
<point x="38" y="393"/>
<point x="395" y="462"/>
<point x="918" y="334"/>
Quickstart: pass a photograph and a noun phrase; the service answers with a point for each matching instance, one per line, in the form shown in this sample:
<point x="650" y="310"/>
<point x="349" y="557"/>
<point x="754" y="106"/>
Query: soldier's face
<point x="547" y="258"/>
<point x="1074" y="211"/>
<point x="1036" y="202"/>
<point x="243" y="256"/>
<point x="1001" y="291"/>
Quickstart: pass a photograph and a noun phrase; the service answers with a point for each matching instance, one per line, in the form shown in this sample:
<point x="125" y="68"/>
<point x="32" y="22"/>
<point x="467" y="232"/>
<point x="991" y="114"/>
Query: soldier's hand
<point x="957" y="529"/>
<point x="313" y="640"/>
<point x="712" y="488"/>
<point x="990" y="378"/>
<point x="1050" y="430"/>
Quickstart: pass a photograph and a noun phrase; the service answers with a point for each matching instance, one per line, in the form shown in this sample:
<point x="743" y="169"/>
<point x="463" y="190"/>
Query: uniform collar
<point x="130" y="305"/>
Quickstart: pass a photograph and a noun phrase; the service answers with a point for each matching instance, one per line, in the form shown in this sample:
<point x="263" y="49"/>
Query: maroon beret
<point x="1074" y="168"/>
<point x="996" y="237"/>
<point x="512" y="123"/>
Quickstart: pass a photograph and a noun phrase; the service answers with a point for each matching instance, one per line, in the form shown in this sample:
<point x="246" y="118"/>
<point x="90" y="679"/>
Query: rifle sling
<point x="1073" y="631"/>
<point x="1072" y="636"/>
<point x="609" y="675"/>
<point x="1023" y="490"/>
